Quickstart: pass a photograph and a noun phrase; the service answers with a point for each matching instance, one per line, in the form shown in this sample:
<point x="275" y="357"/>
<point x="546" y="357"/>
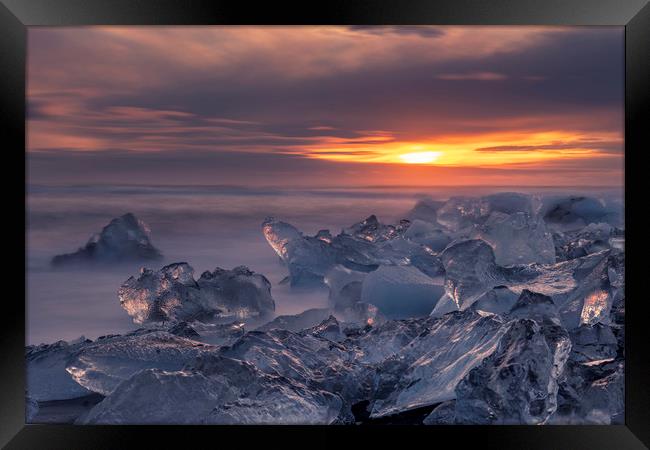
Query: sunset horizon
<point x="326" y="105"/>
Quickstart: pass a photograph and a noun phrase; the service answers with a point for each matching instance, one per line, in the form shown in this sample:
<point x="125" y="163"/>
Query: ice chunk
<point x="328" y="329"/>
<point x="372" y="230"/>
<point x="102" y="365"/>
<point x="400" y="291"/>
<point x="215" y="390"/>
<point x="593" y="344"/>
<point x="591" y="239"/>
<point x="427" y="234"/>
<point x="344" y="286"/>
<point x="172" y="295"/>
<point x="575" y="212"/>
<point x="513" y="202"/>
<point x="538" y="307"/>
<point x="211" y="333"/>
<point x="240" y="292"/>
<point x="498" y="300"/>
<point x="308" y="258"/>
<point x="307" y="358"/>
<point x="443" y="414"/>
<point x="363" y="314"/>
<point x="517" y="384"/>
<point x="125" y="238"/>
<point x="425" y="210"/>
<point x="427" y="369"/>
<point x="462" y="212"/>
<point x="470" y="272"/>
<point x="580" y="288"/>
<point x="517" y="238"/>
<point x="47" y="378"/>
<point x="297" y="322"/>
<point x="591" y="393"/>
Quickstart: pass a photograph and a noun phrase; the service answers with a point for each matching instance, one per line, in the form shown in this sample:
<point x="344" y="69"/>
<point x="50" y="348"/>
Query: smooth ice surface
<point x="400" y="291"/>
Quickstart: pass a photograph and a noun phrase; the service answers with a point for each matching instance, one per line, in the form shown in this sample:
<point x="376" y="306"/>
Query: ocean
<point x="205" y="226"/>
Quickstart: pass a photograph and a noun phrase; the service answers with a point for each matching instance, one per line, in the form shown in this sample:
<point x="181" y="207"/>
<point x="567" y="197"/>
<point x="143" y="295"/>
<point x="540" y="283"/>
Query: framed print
<point x="360" y="221"/>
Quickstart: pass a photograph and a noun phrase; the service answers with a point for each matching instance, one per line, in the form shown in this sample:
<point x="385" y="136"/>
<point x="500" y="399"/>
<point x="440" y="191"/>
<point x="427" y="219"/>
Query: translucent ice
<point x="427" y="369"/>
<point x="172" y="295"/>
<point x="102" y="365"/>
<point x="125" y="238"/>
<point x="47" y="378"/>
<point x="518" y="382"/>
<point x="517" y="238"/>
<point x="400" y="291"/>
<point x="215" y="390"/>
<point x="575" y="212"/>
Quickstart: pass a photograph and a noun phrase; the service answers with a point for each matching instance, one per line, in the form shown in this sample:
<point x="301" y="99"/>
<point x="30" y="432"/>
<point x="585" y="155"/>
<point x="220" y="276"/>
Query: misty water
<point x="207" y="227"/>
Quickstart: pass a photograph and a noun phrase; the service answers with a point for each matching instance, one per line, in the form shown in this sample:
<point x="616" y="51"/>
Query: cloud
<point x="474" y="76"/>
<point x="613" y="146"/>
<point x="425" y="31"/>
<point x="317" y="91"/>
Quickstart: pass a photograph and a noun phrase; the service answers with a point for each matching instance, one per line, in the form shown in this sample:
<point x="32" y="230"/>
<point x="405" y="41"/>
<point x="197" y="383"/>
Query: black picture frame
<point x="17" y="15"/>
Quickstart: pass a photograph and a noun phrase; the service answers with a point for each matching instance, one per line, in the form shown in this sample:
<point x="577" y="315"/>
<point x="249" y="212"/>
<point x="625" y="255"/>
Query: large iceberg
<point x="125" y="238"/>
<point x="171" y="294"/>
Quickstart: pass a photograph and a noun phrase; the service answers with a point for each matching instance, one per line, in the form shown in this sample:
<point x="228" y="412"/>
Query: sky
<point x="326" y="106"/>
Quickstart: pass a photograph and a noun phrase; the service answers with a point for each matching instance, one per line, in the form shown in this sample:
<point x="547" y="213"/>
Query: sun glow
<point x="480" y="150"/>
<point x="420" y="157"/>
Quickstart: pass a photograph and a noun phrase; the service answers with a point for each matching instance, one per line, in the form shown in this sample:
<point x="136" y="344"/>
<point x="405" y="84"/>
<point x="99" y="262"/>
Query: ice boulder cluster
<point x="492" y="310"/>
<point x="171" y="294"/>
<point x="125" y="238"/>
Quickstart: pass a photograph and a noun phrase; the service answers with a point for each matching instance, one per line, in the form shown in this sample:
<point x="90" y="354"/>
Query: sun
<point x="420" y="157"/>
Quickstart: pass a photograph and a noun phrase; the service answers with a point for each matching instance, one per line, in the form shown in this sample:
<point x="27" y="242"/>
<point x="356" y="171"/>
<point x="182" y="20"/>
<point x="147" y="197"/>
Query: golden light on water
<point x="420" y="157"/>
